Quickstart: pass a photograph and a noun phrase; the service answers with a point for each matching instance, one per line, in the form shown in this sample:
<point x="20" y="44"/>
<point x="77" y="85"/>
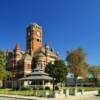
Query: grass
<point x="41" y="93"/>
<point x="79" y="89"/>
<point x="16" y="92"/>
<point x="84" y="88"/>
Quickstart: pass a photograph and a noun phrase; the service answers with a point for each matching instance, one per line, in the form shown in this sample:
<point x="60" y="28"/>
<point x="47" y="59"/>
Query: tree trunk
<point x="53" y="85"/>
<point x="75" y="81"/>
<point x="96" y="81"/>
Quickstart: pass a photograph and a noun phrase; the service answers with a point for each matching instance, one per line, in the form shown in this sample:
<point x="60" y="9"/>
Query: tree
<point x="58" y="71"/>
<point x="3" y="72"/>
<point x="94" y="71"/>
<point x="76" y="62"/>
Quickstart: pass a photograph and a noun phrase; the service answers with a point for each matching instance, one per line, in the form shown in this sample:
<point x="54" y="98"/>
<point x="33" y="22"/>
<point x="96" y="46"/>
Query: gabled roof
<point x="42" y="53"/>
<point x="52" y="53"/>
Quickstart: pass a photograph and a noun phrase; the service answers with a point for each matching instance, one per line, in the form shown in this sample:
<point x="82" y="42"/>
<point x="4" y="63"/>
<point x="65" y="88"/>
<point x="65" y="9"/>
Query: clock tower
<point x="33" y="38"/>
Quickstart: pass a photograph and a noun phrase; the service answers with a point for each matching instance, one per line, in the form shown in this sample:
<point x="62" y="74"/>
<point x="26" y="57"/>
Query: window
<point x="38" y="40"/>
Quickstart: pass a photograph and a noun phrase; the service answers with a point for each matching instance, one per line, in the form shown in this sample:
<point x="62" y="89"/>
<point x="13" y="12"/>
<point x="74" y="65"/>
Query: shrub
<point x="47" y="88"/>
<point x="25" y="88"/>
<point x="34" y="88"/>
<point x="56" y="88"/>
<point x="40" y="88"/>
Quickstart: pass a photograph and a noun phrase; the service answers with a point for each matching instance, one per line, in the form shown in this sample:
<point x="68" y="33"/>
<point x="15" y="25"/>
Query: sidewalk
<point x="82" y="97"/>
<point x="42" y="98"/>
<point x="20" y="97"/>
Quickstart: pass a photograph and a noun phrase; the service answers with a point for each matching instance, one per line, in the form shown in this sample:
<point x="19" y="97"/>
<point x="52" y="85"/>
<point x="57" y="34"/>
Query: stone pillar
<point x="99" y="92"/>
<point x="75" y="91"/>
<point x="67" y="92"/>
<point x="46" y="94"/>
<point x="54" y="94"/>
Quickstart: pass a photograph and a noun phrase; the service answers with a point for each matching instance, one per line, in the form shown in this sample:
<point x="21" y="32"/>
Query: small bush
<point x="34" y="88"/>
<point x="56" y="88"/>
<point x="25" y="88"/>
<point x="79" y="90"/>
<point x="47" y="88"/>
<point x="41" y="88"/>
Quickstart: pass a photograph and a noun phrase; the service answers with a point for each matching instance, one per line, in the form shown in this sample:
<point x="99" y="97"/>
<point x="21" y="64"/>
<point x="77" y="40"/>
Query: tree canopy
<point x="76" y="61"/>
<point x="94" y="71"/>
<point x="3" y="72"/>
<point x="57" y="70"/>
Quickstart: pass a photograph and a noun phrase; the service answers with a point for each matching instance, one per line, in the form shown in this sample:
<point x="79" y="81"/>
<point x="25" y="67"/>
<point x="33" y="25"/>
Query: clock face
<point x="38" y="33"/>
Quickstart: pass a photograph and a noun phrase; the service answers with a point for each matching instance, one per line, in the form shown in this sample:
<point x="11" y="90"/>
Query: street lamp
<point x="52" y="62"/>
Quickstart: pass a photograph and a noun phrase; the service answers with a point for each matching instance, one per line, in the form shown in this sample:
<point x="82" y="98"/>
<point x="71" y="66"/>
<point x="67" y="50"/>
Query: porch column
<point x="28" y="83"/>
<point x="43" y="83"/>
<point x="34" y="85"/>
<point x="20" y="85"/>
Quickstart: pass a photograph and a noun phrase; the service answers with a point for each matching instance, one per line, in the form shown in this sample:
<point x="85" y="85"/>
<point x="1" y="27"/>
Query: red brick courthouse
<point x="21" y="63"/>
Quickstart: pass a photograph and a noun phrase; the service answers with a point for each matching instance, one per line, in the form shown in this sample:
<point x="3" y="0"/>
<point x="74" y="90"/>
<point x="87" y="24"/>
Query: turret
<point x="17" y="51"/>
<point x="17" y="47"/>
<point x="7" y="52"/>
<point x="46" y="46"/>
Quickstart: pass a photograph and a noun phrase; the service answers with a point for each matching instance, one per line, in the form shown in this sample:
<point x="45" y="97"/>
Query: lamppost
<point x="53" y="75"/>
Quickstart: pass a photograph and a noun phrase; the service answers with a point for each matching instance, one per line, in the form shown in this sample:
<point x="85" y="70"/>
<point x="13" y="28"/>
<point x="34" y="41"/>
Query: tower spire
<point x="17" y="46"/>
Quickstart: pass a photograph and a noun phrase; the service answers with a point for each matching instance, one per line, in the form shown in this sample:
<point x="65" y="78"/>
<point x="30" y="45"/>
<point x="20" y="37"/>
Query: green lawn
<point x="41" y="92"/>
<point x="18" y="92"/>
<point x="85" y="88"/>
<point x="23" y="92"/>
<point x="82" y="88"/>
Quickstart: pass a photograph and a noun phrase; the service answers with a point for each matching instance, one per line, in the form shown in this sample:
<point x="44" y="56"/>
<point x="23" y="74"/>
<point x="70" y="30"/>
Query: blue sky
<point x="67" y="24"/>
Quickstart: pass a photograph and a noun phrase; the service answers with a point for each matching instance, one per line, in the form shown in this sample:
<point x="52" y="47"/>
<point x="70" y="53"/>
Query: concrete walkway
<point x="83" y="97"/>
<point x="20" y="97"/>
